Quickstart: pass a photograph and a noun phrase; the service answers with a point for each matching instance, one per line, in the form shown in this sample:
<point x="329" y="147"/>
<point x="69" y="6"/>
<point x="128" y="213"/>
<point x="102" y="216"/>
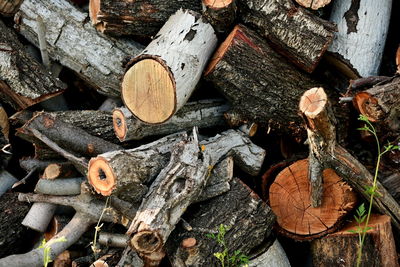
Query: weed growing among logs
<point x="362" y="215"/>
<point x="47" y="249"/>
<point x="238" y="259"/>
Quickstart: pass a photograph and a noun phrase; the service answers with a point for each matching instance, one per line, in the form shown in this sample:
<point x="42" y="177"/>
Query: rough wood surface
<point x="23" y="81"/>
<point x="13" y="234"/>
<point x="294" y="32"/>
<point x="362" y="29"/>
<point x="142" y="18"/>
<point x="289" y="197"/>
<point x="381" y="103"/>
<point x="99" y="60"/>
<point x="202" y="114"/>
<point x="339" y="249"/>
<point x="9" y="7"/>
<point x="250" y="221"/>
<point x="161" y="79"/>
<point x="220" y="13"/>
<point x="245" y="60"/>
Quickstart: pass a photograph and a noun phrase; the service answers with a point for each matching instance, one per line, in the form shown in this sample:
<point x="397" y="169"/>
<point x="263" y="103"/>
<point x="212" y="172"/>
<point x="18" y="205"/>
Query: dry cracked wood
<point x="99" y="60"/>
<point x="293" y="31"/>
<point x="161" y="79"/>
<point x="23" y="81"/>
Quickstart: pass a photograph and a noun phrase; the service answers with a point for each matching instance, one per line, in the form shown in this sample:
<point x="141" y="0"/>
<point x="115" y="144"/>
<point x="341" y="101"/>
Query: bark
<point x="65" y="27"/>
<point x="161" y="79"/>
<point x="9" y="7"/>
<point x="6" y="181"/>
<point x="23" y="81"/>
<point x="313" y="4"/>
<point x="392" y="184"/>
<point x="293" y="31"/>
<point x="13" y="235"/>
<point x="244" y="60"/>
<point x="290" y="201"/>
<point x="339" y="248"/>
<point x="362" y="30"/>
<point x="348" y="167"/>
<point x="59" y="187"/>
<point x="220" y="13"/>
<point x="245" y="231"/>
<point x="142" y="18"/>
<point x="381" y="103"/>
<point x="275" y="256"/>
<point x="203" y="114"/>
<point x="110" y="104"/>
<point x="113" y="240"/>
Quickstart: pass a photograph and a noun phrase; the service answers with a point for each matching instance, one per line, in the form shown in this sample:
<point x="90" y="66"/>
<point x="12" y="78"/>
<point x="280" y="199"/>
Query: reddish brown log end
<point x="398" y="59"/>
<point x="146" y="242"/>
<point x="101" y="176"/>
<point x="313" y="101"/>
<point x="119" y="124"/>
<point x="94" y="9"/>
<point x="217" y="4"/>
<point x="313" y="4"/>
<point x="367" y="105"/>
<point x="189" y="242"/>
<point x="290" y="201"/>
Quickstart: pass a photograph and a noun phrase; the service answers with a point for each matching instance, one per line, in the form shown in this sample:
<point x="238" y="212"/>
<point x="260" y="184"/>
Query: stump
<point x="290" y="201"/>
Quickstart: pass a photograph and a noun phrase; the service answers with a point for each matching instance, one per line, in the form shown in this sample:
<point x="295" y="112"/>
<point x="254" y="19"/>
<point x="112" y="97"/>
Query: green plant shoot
<point x="47" y="249"/>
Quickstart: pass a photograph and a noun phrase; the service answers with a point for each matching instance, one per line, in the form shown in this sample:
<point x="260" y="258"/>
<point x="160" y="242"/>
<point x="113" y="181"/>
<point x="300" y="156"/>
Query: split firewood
<point x="319" y="121"/>
<point x="139" y="18"/>
<point x="60" y="170"/>
<point x="293" y="31"/>
<point x="381" y="103"/>
<point x="339" y="248"/>
<point x="202" y="114"/>
<point x="59" y="187"/>
<point x="313" y="4"/>
<point x="244" y="232"/>
<point x="160" y="80"/>
<point x="64" y="23"/>
<point x="13" y="235"/>
<point x="23" y="81"/>
<point x="6" y="181"/>
<point x="9" y="7"/>
<point x="66" y="135"/>
<point x="289" y="197"/>
<point x="244" y="53"/>
<point x="362" y="29"/>
<point x="220" y="13"/>
<point x="275" y="256"/>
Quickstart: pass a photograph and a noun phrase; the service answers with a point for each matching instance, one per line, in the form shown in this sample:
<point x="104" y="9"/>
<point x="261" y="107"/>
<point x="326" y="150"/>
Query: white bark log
<point x="73" y="42"/>
<point x="362" y="30"/>
<point x="275" y="256"/>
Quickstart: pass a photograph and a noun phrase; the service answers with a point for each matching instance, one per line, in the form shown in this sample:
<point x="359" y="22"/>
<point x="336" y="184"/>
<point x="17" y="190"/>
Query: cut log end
<point x="313" y="101"/>
<point x="313" y="4"/>
<point x="189" y="242"/>
<point x="290" y="201"/>
<point x="94" y="9"/>
<point x="366" y="104"/>
<point x="221" y="50"/>
<point x="101" y="176"/>
<point x="148" y="91"/>
<point x="216" y="4"/>
<point x="52" y="171"/>
<point x="398" y="59"/>
<point x="119" y="124"/>
<point x="146" y="242"/>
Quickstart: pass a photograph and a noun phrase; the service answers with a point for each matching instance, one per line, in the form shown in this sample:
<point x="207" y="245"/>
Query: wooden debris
<point x="338" y="248"/>
<point x="220" y="13"/>
<point x="202" y="114"/>
<point x="9" y="8"/>
<point x="289" y="197"/>
<point x="39" y="216"/>
<point x="139" y="18"/>
<point x="64" y="23"/>
<point x="23" y="81"/>
<point x="297" y="34"/>
<point x="160" y="80"/>
<point x="362" y="28"/>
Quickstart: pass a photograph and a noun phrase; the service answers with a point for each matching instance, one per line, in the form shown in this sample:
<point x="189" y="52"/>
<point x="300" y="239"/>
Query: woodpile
<point x="199" y="133"/>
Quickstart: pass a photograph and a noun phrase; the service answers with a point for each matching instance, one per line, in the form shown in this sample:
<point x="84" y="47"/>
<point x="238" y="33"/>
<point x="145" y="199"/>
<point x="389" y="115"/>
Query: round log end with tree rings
<point x="148" y="90"/>
<point x="290" y="201"/>
<point x="101" y="176"/>
<point x="146" y="242"/>
<point x="313" y="101"/>
<point x="119" y="124"/>
<point x="313" y="4"/>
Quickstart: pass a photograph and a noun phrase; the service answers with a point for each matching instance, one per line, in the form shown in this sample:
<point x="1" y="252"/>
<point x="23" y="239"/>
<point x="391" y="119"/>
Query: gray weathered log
<point x="275" y="256"/>
<point x="98" y="59"/>
<point x="113" y="240"/>
<point x="6" y="181"/>
<point x="23" y="81"/>
<point x="39" y="216"/>
<point x="293" y="31"/>
<point x="59" y="187"/>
